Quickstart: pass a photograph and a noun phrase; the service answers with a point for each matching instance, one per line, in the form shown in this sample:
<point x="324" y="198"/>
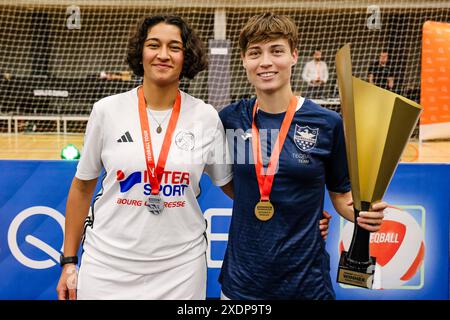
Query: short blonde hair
<point x="266" y="27"/>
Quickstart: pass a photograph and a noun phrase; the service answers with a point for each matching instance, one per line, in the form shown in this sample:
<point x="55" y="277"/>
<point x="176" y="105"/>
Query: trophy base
<point x="355" y="273"/>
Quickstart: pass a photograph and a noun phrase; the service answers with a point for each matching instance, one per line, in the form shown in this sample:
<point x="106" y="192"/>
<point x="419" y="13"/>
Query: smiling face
<point x="162" y="54"/>
<point x="269" y="64"/>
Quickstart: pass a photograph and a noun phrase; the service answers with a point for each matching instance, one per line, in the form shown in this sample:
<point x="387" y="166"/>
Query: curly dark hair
<point x="194" y="50"/>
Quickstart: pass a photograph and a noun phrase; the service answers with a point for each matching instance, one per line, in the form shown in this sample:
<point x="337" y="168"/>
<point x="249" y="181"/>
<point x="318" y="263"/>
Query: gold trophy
<point x="377" y="126"/>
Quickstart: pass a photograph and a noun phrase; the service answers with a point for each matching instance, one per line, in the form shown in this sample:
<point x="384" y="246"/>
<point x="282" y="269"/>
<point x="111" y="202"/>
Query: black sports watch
<point x="65" y="260"/>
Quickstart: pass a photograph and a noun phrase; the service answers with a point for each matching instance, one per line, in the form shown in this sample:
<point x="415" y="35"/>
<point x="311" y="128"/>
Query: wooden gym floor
<point x="48" y="147"/>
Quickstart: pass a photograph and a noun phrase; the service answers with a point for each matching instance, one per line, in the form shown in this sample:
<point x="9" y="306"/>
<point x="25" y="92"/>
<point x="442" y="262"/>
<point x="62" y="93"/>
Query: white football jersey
<point x="121" y="231"/>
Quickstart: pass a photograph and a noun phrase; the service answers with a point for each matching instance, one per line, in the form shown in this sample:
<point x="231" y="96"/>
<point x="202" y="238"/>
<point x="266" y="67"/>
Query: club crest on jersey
<point x="185" y="140"/>
<point x="305" y="137"/>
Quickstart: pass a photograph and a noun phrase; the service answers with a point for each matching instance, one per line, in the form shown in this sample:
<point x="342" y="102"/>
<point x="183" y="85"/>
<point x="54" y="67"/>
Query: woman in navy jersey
<point x="144" y="233"/>
<point x="286" y="151"/>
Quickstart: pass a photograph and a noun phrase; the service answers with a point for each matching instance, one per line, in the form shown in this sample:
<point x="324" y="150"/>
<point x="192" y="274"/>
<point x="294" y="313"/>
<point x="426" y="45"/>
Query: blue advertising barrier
<point x="33" y="195"/>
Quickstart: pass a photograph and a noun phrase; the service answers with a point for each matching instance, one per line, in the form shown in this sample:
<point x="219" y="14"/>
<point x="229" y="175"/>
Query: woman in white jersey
<point x="144" y="233"/>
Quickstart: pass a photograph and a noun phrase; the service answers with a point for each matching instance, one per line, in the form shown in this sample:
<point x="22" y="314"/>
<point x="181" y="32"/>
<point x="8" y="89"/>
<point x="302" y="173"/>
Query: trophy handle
<point x="359" y="252"/>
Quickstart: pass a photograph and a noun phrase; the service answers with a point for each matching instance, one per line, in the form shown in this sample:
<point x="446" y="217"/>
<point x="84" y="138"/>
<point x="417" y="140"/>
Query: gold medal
<point x="264" y="210"/>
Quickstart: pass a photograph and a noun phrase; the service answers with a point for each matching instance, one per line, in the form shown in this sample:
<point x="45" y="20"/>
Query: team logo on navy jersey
<point x="305" y="137"/>
<point x="185" y="140"/>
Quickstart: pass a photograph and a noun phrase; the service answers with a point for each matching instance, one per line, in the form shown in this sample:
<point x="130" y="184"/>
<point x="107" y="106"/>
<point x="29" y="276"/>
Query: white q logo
<point x="12" y="238"/>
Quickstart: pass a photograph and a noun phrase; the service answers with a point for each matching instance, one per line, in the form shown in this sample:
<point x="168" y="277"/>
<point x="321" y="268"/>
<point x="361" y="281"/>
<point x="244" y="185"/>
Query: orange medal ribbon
<point x="264" y="209"/>
<point x="155" y="174"/>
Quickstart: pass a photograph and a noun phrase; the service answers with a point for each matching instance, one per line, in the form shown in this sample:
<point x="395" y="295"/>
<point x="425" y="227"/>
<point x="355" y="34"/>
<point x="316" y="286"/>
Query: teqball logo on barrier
<point x="14" y="246"/>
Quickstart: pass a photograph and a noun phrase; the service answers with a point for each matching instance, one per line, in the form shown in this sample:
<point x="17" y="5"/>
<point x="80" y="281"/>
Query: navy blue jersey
<point x="284" y="257"/>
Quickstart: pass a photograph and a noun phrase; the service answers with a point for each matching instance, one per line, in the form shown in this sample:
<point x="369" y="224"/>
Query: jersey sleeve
<point x="306" y="73"/>
<point x="324" y="71"/>
<point x="337" y="176"/>
<point x="224" y="114"/>
<point x="90" y="164"/>
<point x="218" y="166"/>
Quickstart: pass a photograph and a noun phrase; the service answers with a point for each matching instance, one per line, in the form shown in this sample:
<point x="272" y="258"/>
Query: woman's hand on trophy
<point x="372" y="220"/>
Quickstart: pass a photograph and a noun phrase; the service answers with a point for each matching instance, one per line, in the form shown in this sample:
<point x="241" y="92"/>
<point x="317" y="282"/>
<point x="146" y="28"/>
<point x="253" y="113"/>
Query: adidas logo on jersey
<point x="125" y="138"/>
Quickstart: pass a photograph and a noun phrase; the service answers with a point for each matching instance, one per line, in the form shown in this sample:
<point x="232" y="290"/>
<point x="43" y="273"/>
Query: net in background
<point x="59" y="57"/>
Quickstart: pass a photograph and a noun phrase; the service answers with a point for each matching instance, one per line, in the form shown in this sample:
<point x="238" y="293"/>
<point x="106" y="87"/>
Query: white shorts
<point x="97" y="281"/>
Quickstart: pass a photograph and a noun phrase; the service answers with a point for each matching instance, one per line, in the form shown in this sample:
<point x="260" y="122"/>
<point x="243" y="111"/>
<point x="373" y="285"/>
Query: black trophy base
<point x="354" y="273"/>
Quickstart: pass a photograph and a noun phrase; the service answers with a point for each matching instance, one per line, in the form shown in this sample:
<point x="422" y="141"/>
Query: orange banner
<point x="435" y="84"/>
